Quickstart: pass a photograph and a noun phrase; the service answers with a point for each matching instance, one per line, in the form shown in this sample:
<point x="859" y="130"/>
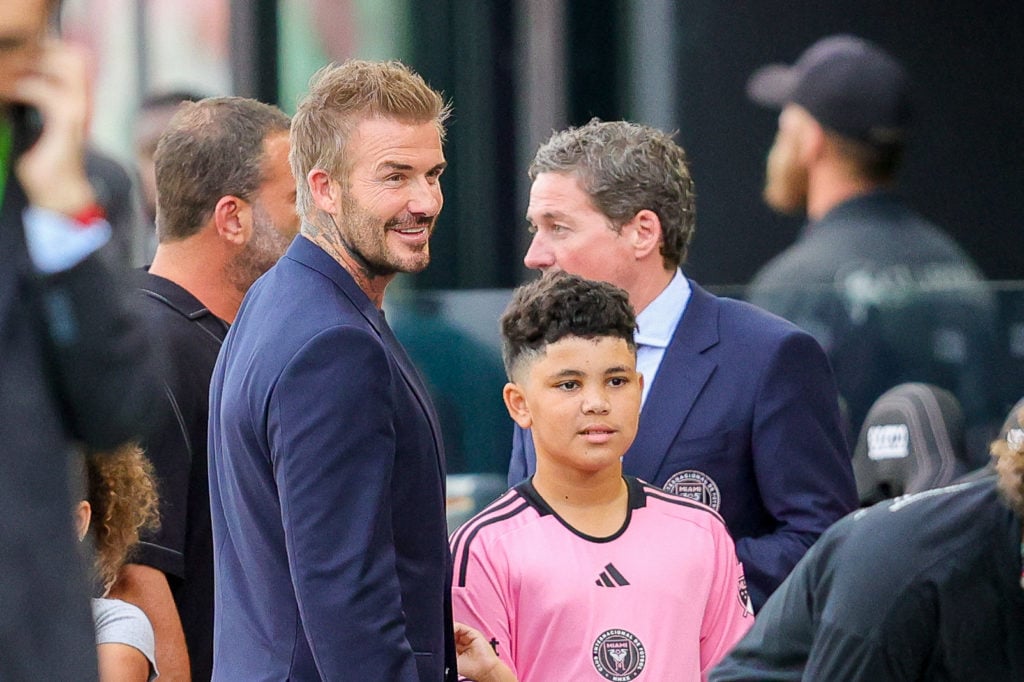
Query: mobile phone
<point x="28" y="126"/>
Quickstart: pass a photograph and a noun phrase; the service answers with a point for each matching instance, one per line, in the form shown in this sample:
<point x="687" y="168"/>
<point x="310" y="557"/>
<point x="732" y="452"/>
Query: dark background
<point x="965" y="163"/>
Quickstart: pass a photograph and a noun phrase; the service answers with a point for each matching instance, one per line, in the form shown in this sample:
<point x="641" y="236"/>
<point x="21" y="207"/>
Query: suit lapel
<point x="415" y="382"/>
<point x="681" y="377"/>
<point x="312" y="256"/>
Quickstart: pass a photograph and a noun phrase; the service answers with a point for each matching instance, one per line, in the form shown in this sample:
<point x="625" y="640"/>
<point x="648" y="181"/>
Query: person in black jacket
<point x="923" y="587"/>
<point x="75" y="366"/>
<point x="888" y="294"/>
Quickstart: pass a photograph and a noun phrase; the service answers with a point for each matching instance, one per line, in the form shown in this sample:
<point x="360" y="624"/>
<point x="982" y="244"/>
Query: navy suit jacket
<point x="743" y="415"/>
<point x="326" y="489"/>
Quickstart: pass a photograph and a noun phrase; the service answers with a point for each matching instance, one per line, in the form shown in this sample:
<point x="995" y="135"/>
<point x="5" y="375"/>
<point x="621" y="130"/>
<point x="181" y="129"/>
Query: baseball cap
<point x="848" y="84"/>
<point x="912" y="440"/>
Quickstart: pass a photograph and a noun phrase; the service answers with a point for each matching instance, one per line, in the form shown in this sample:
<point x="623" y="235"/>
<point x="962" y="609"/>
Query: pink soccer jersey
<point x="662" y="599"/>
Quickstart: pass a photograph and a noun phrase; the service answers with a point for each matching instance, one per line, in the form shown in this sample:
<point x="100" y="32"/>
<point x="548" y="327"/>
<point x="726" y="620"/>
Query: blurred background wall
<point x="516" y="69"/>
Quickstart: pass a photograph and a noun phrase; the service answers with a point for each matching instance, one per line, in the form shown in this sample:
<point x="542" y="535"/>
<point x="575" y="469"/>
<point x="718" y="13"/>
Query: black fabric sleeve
<point x="104" y="366"/>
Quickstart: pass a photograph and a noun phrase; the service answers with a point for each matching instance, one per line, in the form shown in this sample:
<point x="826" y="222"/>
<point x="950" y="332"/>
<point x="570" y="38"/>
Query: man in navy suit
<point x="326" y="464"/>
<point x="740" y="409"/>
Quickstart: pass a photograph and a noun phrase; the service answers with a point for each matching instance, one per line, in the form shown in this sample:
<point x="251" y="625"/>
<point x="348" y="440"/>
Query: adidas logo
<point x="610" y="577"/>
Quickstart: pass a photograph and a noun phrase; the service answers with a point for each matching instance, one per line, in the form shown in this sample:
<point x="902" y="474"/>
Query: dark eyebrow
<point x="551" y="215"/>
<point x="395" y="166"/>
<point x="12" y="42"/>
<point x="617" y="370"/>
<point x="567" y="373"/>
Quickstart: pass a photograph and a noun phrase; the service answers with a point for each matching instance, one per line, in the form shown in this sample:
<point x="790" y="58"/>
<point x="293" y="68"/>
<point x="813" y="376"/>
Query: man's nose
<point x="539" y="256"/>
<point x="426" y="198"/>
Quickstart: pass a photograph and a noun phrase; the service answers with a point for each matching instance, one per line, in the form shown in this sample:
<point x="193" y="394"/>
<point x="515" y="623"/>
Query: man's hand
<point x="52" y="171"/>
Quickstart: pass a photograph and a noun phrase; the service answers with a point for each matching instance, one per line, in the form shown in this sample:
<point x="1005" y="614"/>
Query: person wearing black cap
<point x="889" y="296"/>
<point x="924" y="587"/>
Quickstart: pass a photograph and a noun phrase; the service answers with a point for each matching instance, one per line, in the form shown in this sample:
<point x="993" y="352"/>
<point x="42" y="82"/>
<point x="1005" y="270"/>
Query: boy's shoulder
<point x="511" y="510"/>
<point x="676" y="506"/>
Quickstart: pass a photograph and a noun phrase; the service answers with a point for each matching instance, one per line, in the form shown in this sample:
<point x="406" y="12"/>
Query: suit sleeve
<point x="480" y="598"/>
<point x="105" y="367"/>
<point x="331" y="429"/>
<point x="523" y="462"/>
<point x="801" y="461"/>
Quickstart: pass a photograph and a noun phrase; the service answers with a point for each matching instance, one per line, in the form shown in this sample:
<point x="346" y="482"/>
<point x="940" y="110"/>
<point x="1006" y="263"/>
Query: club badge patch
<point x="619" y="655"/>
<point x="694" y="485"/>
<point x="748" y="606"/>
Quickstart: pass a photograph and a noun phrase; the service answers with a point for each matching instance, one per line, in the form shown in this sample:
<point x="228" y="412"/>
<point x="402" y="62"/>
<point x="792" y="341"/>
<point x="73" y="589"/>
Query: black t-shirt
<point x="183" y="548"/>
<point x="923" y="587"/>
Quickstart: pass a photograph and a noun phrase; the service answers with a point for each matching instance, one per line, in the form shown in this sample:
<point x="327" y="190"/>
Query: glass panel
<point x="316" y="32"/>
<point x="184" y="45"/>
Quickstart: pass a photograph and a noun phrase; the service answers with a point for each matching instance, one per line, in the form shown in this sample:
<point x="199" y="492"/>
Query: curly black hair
<point x="558" y="305"/>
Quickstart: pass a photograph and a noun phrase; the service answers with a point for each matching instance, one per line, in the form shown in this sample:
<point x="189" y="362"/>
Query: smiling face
<point x="581" y="398"/>
<point x="389" y="209"/>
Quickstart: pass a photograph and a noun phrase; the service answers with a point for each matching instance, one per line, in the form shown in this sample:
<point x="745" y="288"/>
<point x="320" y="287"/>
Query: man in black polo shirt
<point x="225" y="214"/>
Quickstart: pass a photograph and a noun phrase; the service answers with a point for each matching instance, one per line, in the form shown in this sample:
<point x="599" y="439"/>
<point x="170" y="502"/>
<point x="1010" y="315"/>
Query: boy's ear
<point x="515" y="402"/>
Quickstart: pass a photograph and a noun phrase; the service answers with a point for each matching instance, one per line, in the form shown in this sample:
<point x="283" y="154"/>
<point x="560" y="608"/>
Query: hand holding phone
<point x="53" y="98"/>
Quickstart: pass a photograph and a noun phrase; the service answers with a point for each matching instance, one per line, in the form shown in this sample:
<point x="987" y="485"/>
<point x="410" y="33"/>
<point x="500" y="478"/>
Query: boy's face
<point x="581" y="398"/>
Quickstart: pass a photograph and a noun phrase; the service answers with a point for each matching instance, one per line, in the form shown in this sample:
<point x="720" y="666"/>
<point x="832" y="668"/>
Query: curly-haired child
<point x="119" y="499"/>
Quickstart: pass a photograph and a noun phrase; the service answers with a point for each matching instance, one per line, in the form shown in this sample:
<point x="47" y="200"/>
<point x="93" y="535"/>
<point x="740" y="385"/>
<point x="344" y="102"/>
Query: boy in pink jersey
<point x="581" y="573"/>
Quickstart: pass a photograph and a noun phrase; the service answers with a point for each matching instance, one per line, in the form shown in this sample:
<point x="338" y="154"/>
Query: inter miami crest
<point x="748" y="606"/>
<point x="694" y="485"/>
<point x="619" y="655"/>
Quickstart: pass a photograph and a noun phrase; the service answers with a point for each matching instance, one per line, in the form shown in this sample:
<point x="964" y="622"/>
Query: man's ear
<point x="232" y="217"/>
<point x="812" y="141"/>
<point x="325" y="191"/>
<point x="515" y="403"/>
<point x="644" y="233"/>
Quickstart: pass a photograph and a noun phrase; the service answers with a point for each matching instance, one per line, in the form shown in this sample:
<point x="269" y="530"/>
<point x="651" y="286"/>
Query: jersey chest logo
<point x="694" y="485"/>
<point x="619" y="655"/>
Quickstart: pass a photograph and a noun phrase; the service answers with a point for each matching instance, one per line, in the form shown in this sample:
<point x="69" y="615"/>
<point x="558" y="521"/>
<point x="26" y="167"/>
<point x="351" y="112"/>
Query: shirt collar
<point x="657" y="322"/>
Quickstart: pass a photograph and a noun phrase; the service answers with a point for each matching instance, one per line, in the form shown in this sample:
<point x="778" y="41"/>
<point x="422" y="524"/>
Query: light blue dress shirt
<point x="655" y="326"/>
